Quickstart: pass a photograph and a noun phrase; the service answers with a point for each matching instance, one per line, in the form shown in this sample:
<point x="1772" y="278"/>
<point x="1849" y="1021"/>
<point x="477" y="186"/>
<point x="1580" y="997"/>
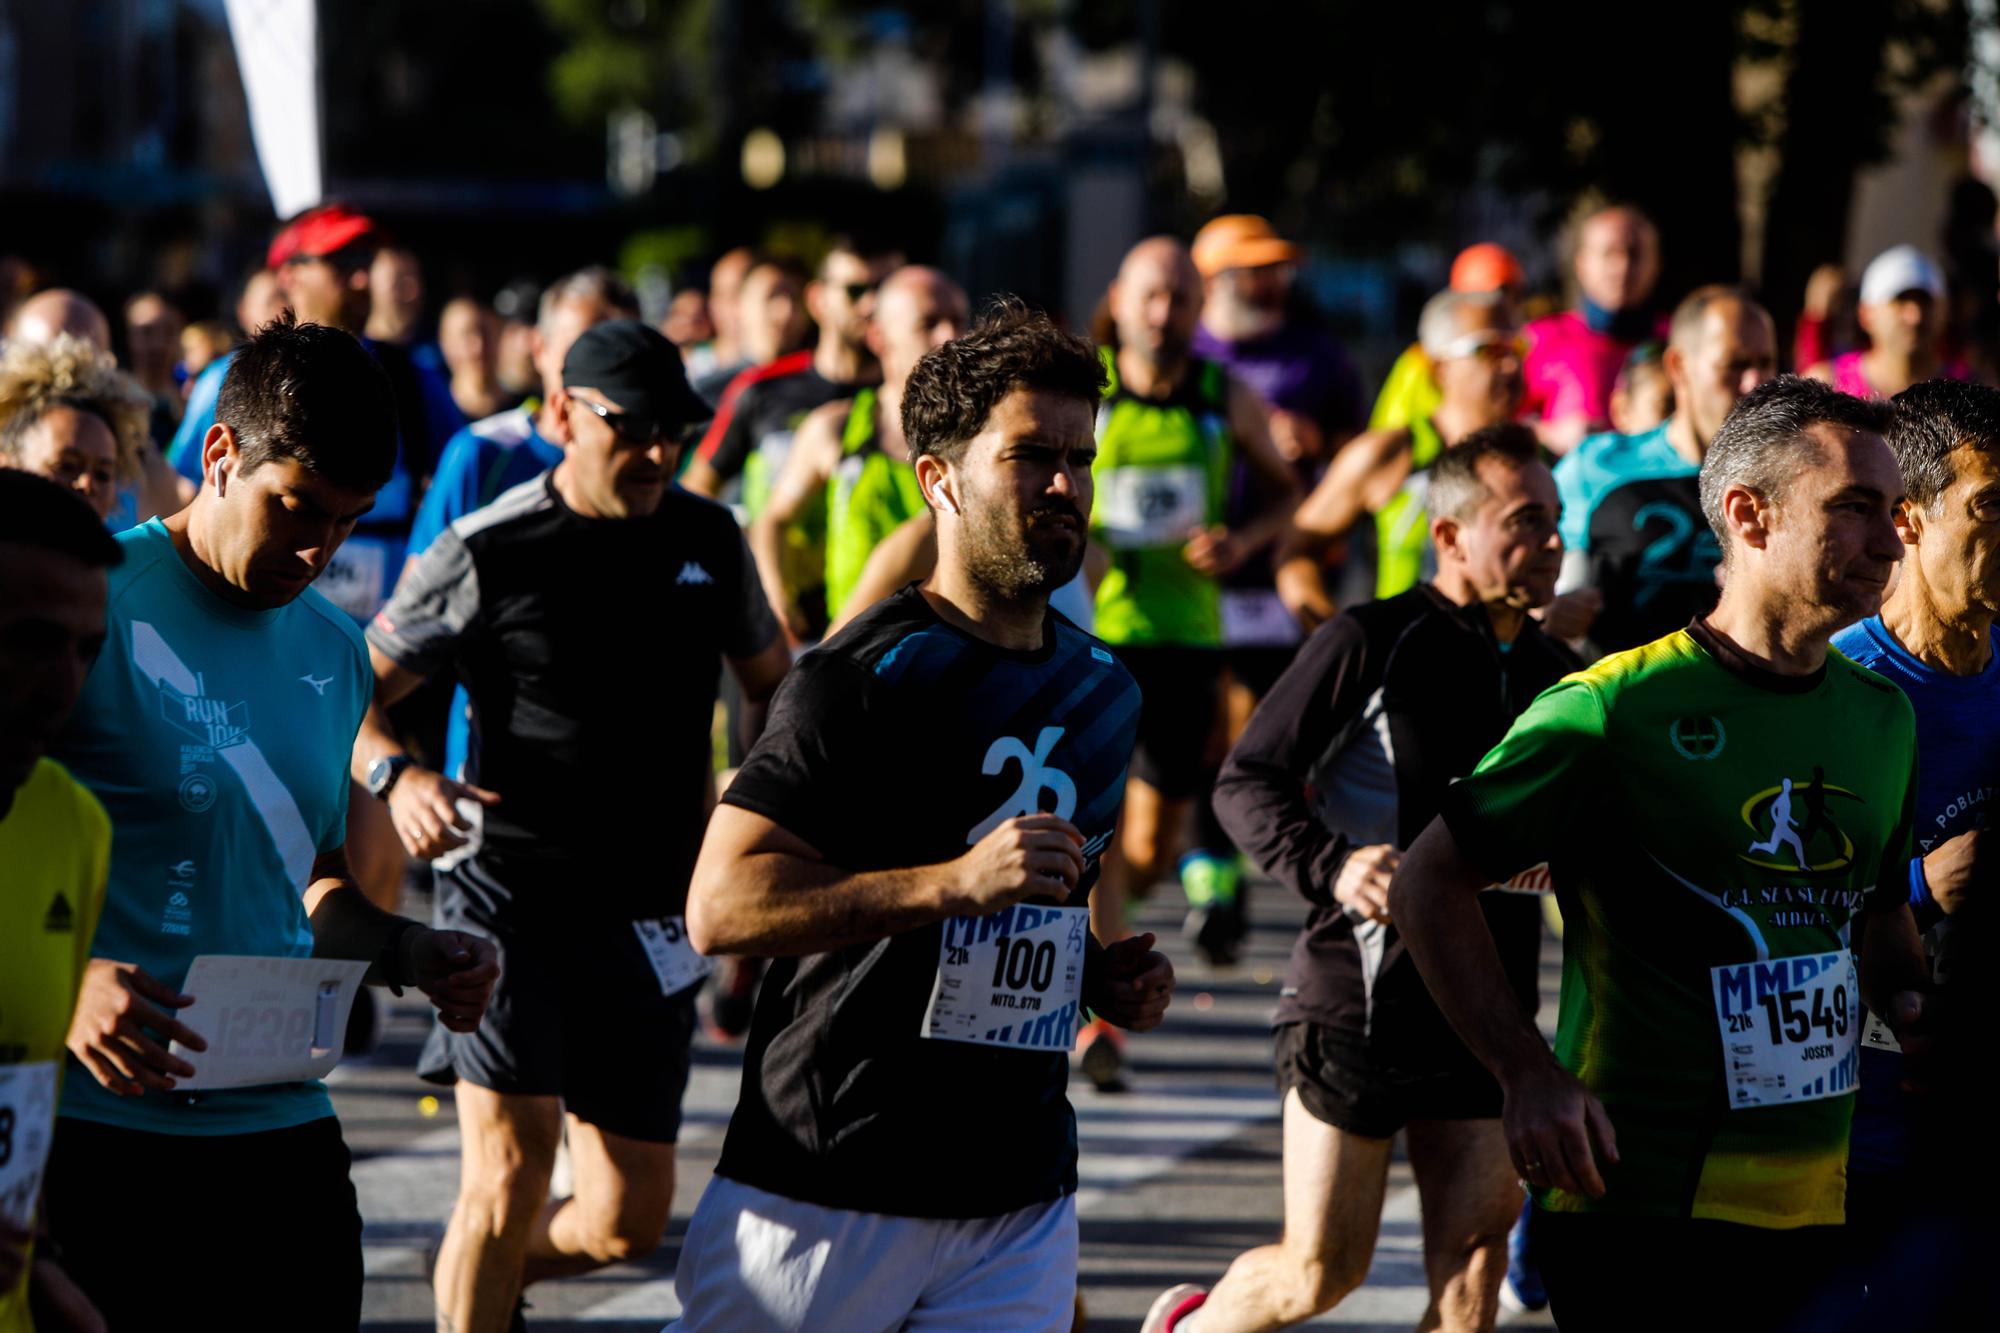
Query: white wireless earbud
<point x="944" y="501"/>
<point x="215" y="474"/>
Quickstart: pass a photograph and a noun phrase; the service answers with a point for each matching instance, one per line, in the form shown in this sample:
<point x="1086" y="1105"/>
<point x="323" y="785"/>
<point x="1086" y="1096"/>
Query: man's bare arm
<point x="814" y="455"/>
<point x="1551" y="1121"/>
<point x="761" y="890"/>
<point x="1434" y="901"/>
<point x="1250" y="425"/>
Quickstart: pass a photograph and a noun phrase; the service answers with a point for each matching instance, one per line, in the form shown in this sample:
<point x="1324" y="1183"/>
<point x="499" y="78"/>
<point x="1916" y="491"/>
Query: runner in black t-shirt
<point x="914" y="839"/>
<point x="585" y="612"/>
<point x="762" y="408"/>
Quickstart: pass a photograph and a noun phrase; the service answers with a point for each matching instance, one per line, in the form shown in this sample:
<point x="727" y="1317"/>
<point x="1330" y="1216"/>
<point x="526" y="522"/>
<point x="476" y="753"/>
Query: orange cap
<point x="1485" y="267"/>
<point x="1240" y="240"/>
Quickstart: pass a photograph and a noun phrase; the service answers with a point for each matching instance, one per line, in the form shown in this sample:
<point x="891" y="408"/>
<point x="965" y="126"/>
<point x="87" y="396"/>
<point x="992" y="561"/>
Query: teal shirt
<point x="1633" y="529"/>
<point x="1603" y="463"/>
<point x="217" y="739"/>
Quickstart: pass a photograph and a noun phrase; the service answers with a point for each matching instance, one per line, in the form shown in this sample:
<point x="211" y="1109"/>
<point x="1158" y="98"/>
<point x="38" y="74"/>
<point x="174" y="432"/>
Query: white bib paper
<point x="673" y="958"/>
<point x="27" y="1124"/>
<point x="1012" y="979"/>
<point x="1256" y="618"/>
<point x="1151" y="506"/>
<point x="356" y="579"/>
<point x="1791" y="1028"/>
<point x="1878" y="1036"/>
<point x="266" y="1020"/>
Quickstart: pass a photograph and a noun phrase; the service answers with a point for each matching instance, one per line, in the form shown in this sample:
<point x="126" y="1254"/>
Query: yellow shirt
<point x="55" y="851"/>
<point x="1410" y="393"/>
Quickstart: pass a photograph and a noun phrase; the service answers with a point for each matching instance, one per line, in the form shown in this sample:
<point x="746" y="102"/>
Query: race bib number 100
<point x="1790" y="1027"/>
<point x="1011" y="979"/>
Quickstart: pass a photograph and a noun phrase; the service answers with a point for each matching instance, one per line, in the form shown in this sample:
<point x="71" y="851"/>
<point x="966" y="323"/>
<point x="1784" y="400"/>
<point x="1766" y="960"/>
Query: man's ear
<point x="1909" y="521"/>
<point x="1444" y="534"/>
<point x="934" y="479"/>
<point x="219" y="455"/>
<point x="559" y="416"/>
<point x="1748" y="515"/>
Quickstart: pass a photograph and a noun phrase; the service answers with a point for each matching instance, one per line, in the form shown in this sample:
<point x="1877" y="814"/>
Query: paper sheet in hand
<point x="27" y="1124"/>
<point x="267" y="1020"/>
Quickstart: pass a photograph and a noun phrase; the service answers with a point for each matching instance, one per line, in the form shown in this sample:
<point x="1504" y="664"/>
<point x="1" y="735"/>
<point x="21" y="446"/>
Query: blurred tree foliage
<point x="1360" y="124"/>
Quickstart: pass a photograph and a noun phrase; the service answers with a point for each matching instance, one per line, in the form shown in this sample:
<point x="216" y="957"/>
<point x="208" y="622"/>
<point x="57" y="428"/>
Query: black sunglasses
<point x="640" y="430"/>
<point x="856" y="290"/>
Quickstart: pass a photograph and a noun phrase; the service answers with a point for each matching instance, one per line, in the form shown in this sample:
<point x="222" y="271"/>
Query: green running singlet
<point x="1161" y="475"/>
<point x="869" y="497"/>
<point x="1403" y="526"/>
<point x="1713" y="830"/>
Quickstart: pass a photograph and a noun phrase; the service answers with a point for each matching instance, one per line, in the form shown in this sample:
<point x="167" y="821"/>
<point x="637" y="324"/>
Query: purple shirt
<point x="1296" y="369"/>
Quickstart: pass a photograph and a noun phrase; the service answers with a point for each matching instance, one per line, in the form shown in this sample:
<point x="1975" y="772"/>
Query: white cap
<point x="1899" y="269"/>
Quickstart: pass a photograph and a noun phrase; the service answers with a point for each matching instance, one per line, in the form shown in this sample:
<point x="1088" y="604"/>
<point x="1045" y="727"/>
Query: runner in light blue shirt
<point x="216" y="728"/>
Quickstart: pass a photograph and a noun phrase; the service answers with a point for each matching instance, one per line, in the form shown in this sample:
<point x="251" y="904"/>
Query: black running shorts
<point x="1343" y="1085"/>
<point x="1180" y="696"/>
<point x="578" y="1013"/>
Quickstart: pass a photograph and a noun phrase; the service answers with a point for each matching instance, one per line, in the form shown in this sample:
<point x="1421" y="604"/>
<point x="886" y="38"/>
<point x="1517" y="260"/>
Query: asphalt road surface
<point x="1179" y="1175"/>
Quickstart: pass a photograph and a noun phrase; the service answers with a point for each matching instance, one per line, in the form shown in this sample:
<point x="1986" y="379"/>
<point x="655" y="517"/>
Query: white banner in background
<point x="277" y="52"/>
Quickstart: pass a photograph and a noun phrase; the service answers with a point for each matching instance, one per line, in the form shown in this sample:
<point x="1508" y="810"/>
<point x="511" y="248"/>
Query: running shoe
<point x="1174" y="1304"/>
<point x="1522" y="1292"/>
<point x="1215" y="925"/>
<point x="1101" y="1051"/>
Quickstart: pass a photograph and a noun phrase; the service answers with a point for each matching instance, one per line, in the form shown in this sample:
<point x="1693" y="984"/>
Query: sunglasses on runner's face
<point x="856" y="290"/>
<point x="637" y="429"/>
<point x="1492" y="344"/>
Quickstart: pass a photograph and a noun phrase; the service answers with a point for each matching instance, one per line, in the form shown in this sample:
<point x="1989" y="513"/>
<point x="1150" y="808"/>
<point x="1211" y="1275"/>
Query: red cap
<point x="1485" y="267"/>
<point x="317" y="234"/>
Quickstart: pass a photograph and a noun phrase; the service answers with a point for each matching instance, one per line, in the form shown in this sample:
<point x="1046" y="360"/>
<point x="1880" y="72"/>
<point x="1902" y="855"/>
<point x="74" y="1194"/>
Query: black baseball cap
<point x="635" y="366"/>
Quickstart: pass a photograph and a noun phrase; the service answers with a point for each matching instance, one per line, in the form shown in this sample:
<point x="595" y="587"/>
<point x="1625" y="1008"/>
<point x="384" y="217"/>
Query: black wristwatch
<point x="382" y="774"/>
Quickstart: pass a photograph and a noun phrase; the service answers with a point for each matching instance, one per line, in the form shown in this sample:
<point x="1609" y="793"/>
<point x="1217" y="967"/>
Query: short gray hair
<point x="596" y="283"/>
<point x="1456" y="490"/>
<point x="1437" y="327"/>
<point x="1764" y="441"/>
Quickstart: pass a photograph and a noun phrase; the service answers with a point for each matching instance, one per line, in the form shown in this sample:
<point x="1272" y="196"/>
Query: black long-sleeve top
<point x="1382" y="708"/>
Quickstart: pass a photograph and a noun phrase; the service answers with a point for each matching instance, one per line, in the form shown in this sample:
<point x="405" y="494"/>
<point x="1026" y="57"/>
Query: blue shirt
<point x="1958" y="765"/>
<point x="185" y="451"/>
<point x="481" y="462"/>
<point x="217" y="739"/>
<point x="1633" y="529"/>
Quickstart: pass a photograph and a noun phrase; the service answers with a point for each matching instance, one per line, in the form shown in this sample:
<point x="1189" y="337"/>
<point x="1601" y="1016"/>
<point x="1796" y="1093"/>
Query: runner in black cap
<point x="584" y="611"/>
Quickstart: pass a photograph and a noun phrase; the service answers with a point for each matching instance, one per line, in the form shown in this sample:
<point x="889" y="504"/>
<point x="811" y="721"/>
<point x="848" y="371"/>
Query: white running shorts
<point x="760" y="1263"/>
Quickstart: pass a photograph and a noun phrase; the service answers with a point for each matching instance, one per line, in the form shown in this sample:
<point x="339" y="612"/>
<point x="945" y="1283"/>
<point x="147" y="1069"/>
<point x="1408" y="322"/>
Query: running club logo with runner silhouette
<point x="1795" y="826"/>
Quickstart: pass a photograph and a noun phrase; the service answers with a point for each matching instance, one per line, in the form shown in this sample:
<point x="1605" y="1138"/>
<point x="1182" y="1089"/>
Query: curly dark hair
<point x="955" y="387"/>
<point x="1933" y="419"/>
<point x="312" y="394"/>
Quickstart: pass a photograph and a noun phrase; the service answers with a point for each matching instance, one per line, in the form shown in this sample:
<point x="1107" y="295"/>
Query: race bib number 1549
<point x="1790" y="1028"/>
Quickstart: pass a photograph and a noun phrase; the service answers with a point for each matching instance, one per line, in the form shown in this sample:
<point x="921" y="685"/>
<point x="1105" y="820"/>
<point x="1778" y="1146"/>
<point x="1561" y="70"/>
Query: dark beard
<point x="999" y="557"/>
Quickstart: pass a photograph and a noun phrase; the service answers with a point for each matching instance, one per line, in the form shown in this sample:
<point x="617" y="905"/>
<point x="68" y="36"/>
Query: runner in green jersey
<point x="1727" y="814"/>
<point x="851" y="454"/>
<point x="1168" y="435"/>
<point x="1475" y="354"/>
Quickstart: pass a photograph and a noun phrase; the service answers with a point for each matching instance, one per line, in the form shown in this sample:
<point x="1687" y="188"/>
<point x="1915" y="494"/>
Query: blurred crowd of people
<point x="524" y="503"/>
